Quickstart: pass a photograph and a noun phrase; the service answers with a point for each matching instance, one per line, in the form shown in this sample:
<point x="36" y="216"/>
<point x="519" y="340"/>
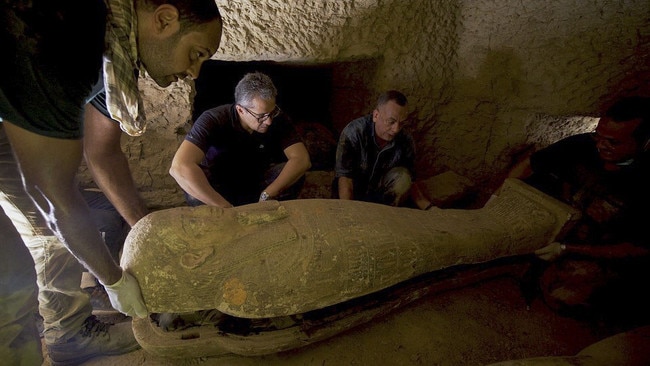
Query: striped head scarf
<point x="120" y="68"/>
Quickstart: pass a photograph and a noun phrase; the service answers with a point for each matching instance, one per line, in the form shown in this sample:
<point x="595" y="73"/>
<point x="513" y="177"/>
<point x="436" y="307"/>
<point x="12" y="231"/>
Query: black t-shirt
<point x="52" y="54"/>
<point x="236" y="160"/>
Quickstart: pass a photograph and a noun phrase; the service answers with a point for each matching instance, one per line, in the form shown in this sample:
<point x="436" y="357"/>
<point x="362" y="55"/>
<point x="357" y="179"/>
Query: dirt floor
<point x="478" y="324"/>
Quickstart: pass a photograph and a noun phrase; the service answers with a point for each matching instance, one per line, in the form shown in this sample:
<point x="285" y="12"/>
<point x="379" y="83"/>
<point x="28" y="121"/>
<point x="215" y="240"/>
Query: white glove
<point x="551" y="251"/>
<point x="126" y="297"/>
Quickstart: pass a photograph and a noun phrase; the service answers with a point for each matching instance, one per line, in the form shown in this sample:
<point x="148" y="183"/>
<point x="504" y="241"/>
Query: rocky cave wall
<point x="485" y="79"/>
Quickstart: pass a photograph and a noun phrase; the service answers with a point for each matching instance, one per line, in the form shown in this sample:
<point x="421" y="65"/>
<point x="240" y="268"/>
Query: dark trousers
<point x="238" y="197"/>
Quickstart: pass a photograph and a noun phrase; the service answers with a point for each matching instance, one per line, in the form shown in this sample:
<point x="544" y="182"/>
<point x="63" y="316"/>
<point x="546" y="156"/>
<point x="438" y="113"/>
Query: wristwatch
<point x="264" y="196"/>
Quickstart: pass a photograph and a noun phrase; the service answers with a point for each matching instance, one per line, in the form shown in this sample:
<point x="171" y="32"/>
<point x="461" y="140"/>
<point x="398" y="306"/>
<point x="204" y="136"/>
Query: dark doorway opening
<point x="320" y="99"/>
<point x="303" y="91"/>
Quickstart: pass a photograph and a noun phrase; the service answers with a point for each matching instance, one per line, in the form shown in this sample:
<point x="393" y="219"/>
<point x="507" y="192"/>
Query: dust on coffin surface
<point x="274" y="259"/>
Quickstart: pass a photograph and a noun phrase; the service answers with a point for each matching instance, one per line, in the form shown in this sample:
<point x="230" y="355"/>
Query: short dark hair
<point x="632" y="108"/>
<point x="192" y="12"/>
<point x="393" y="95"/>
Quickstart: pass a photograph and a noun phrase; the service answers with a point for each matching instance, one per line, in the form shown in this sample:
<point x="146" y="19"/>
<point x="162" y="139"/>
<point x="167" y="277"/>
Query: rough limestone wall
<point x="168" y="111"/>
<point x="412" y="43"/>
<point x="523" y="66"/>
<point x="484" y="78"/>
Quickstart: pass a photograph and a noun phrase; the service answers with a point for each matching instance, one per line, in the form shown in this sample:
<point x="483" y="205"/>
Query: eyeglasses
<point x="610" y="142"/>
<point x="263" y="117"/>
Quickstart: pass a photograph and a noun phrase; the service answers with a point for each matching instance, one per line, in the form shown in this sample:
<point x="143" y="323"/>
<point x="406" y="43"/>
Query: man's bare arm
<point x="188" y="174"/>
<point x="298" y="162"/>
<point x="51" y="184"/>
<point x="109" y="166"/>
<point x="345" y="188"/>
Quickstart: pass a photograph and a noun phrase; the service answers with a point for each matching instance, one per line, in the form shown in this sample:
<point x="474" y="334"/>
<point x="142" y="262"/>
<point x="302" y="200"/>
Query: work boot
<point x="98" y="297"/>
<point x="95" y="338"/>
<point x="100" y="301"/>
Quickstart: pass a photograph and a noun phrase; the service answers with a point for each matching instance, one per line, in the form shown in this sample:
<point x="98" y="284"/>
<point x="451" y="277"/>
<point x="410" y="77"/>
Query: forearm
<point x="521" y="170"/>
<point x="113" y="176"/>
<point x="73" y="224"/>
<point x="290" y="174"/>
<point x="193" y="181"/>
<point x="108" y="165"/>
<point x="419" y="197"/>
<point x="346" y="186"/>
<point x="610" y="251"/>
<point x="50" y="181"/>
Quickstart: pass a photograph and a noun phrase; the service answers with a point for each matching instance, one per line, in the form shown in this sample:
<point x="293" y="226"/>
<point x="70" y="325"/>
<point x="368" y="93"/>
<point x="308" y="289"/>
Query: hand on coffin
<point x="126" y="297"/>
<point x="551" y="251"/>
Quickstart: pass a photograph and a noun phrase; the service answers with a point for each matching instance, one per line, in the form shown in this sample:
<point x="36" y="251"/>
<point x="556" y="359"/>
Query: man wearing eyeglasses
<point x="602" y="262"/>
<point x="242" y="153"/>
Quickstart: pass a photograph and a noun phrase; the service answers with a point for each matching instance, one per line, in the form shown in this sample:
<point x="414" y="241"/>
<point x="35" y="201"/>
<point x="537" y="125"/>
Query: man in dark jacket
<point x="375" y="157"/>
